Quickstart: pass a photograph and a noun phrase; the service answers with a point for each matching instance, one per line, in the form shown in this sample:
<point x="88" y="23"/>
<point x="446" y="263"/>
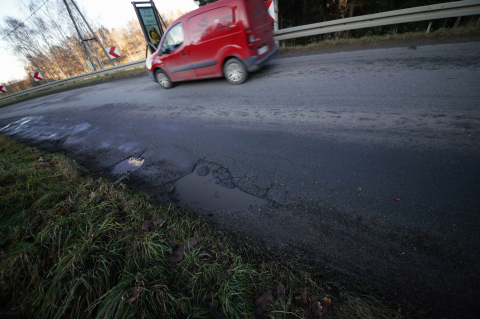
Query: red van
<point x="225" y="38"/>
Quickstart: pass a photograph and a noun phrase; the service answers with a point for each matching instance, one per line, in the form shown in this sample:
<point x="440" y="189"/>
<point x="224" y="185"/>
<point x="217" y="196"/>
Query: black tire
<point x="235" y="72"/>
<point x="163" y="79"/>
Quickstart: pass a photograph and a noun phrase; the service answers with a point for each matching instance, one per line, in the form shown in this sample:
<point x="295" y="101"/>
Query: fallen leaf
<point x="280" y="289"/>
<point x="263" y="301"/>
<point x="178" y="254"/>
<point x="158" y="222"/>
<point x="327" y="301"/>
<point x="151" y="223"/>
<point x="301" y="300"/>
<point x="316" y="309"/>
<point x="182" y="249"/>
<point x="397" y="199"/>
<point x="192" y="242"/>
<point x="134" y="295"/>
<point x="171" y="243"/>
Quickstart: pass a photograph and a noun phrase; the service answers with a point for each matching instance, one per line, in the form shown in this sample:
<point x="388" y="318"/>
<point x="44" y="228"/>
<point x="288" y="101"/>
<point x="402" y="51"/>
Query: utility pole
<point x="94" y="36"/>
<point x="79" y="34"/>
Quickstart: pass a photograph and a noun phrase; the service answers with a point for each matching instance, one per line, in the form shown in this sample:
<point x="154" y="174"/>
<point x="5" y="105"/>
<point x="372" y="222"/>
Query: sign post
<point x="37" y="76"/>
<point x="151" y="23"/>
<point x="90" y="65"/>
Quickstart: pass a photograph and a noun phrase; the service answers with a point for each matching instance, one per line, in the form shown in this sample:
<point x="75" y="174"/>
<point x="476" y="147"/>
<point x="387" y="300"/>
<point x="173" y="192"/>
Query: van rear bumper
<point x="252" y="64"/>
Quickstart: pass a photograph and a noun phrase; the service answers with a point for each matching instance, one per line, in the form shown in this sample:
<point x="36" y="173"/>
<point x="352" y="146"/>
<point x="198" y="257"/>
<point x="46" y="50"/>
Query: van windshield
<point x="173" y="39"/>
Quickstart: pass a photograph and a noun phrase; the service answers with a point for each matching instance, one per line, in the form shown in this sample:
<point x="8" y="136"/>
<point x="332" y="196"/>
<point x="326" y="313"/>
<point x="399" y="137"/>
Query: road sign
<point x="37" y="76"/>
<point x="113" y="52"/>
<point x="271" y="9"/>
<point x="89" y="64"/>
<point x="151" y="23"/>
<point x="3" y="89"/>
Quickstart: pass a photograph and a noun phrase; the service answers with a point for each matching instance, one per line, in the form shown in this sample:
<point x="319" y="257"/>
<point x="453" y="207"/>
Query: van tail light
<point x="250" y="37"/>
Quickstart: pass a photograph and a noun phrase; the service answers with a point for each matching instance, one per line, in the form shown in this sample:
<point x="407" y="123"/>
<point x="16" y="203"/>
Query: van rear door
<point x="261" y="26"/>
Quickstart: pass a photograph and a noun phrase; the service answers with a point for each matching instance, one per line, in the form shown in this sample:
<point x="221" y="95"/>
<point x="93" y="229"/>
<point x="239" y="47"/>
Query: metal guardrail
<point x="112" y="69"/>
<point x="437" y="11"/>
<point x="432" y="12"/>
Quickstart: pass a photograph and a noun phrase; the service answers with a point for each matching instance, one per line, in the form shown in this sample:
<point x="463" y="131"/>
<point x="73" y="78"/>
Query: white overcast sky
<point x="110" y="13"/>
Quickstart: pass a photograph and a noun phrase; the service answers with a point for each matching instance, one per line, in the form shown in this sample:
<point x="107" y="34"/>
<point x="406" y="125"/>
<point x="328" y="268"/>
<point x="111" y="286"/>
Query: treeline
<point x="299" y="12"/>
<point x="292" y="13"/>
<point x="49" y="43"/>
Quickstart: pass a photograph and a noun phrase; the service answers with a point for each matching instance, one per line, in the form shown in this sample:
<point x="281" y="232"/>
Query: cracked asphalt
<point x="331" y="141"/>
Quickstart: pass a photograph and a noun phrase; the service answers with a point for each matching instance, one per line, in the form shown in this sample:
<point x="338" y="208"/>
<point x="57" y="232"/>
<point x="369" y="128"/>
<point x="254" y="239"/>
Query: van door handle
<point x="184" y="53"/>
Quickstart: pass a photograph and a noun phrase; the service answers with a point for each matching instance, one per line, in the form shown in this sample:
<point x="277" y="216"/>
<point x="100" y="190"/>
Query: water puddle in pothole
<point x="203" y="192"/>
<point x="128" y="165"/>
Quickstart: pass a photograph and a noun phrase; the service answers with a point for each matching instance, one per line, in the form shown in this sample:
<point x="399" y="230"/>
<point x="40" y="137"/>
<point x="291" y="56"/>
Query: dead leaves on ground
<point x="152" y="223"/>
<point x="182" y="249"/>
<point x="310" y="305"/>
<point x="134" y="295"/>
<point x="262" y="301"/>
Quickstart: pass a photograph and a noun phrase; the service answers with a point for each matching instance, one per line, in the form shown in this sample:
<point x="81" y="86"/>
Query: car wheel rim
<point x="234" y="72"/>
<point x="163" y="80"/>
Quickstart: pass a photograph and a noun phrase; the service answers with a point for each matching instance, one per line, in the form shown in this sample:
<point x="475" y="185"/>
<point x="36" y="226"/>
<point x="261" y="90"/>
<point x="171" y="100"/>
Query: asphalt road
<point x="330" y="141"/>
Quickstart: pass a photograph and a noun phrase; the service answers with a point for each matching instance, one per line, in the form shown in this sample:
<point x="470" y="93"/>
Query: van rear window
<point x="210" y="24"/>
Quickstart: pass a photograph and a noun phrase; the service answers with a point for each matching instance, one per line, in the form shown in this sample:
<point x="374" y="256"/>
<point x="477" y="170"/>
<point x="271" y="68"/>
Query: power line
<point x="24" y="21"/>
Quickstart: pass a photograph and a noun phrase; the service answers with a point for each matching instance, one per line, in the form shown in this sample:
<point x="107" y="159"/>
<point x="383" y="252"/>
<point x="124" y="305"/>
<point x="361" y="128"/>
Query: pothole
<point x="128" y="165"/>
<point x="201" y="190"/>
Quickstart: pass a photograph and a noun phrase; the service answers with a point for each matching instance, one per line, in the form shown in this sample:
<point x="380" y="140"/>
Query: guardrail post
<point x="478" y="22"/>
<point x="275" y="23"/>
<point x="429" y="26"/>
<point x="457" y="22"/>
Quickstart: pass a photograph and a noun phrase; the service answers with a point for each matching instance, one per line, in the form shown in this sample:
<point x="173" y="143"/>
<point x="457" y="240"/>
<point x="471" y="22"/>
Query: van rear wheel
<point x="235" y="72"/>
<point x="163" y="79"/>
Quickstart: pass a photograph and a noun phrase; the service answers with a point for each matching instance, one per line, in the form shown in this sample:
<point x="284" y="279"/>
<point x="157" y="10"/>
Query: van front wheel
<point x="235" y="72"/>
<point x="163" y="79"/>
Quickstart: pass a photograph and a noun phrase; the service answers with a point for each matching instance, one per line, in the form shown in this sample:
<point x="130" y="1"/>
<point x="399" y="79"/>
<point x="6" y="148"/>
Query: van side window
<point x="173" y="39"/>
<point x="210" y="24"/>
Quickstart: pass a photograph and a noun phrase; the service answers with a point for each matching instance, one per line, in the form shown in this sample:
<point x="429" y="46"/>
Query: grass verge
<point x="77" y="84"/>
<point x="75" y="245"/>
<point x="464" y="31"/>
